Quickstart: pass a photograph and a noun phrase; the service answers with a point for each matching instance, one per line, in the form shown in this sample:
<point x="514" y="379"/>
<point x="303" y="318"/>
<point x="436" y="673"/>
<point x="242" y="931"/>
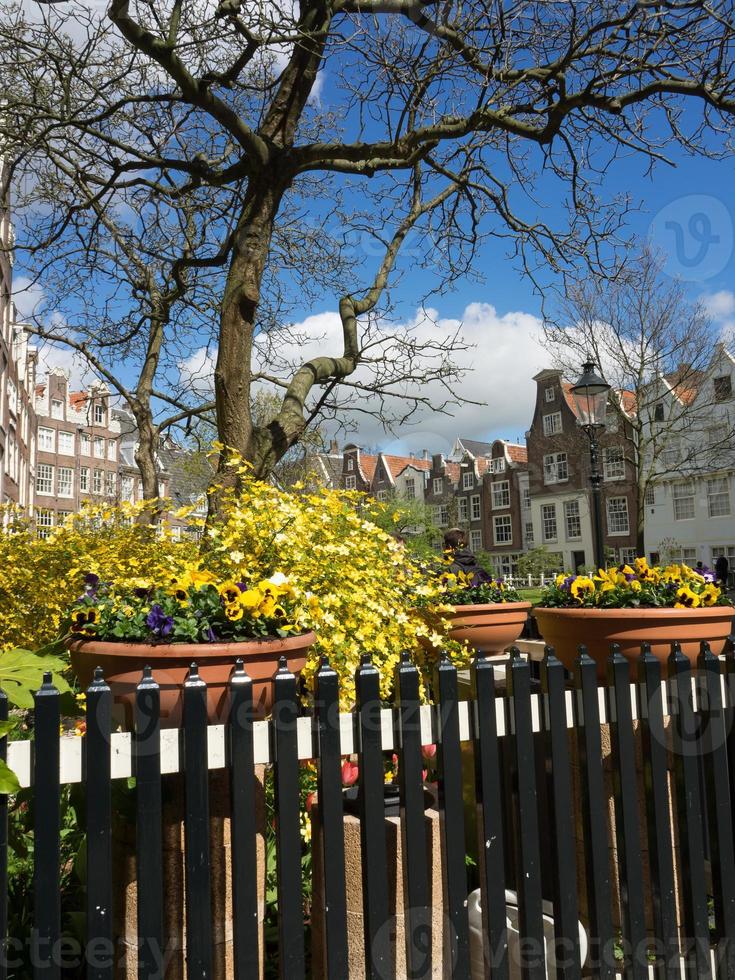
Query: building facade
<point x="17" y="377"/>
<point x="559" y="480"/>
<point x="78" y="449"/>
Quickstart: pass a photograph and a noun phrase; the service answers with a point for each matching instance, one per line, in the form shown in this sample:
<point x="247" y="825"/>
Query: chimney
<point x="334" y="447"/>
<point x="437" y="462"/>
<point x="412" y="455"/>
<point x="425" y="454"/>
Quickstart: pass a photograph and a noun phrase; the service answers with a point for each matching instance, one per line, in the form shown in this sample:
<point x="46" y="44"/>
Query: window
<point x="549" y="394"/>
<point x="440" y="516"/>
<point x="718" y="497"/>
<point x="97" y="481"/>
<point x="350" y="464"/>
<point x="497" y="465"/>
<point x="99" y="414"/>
<point x="111" y="449"/>
<point x="650" y="495"/>
<point x="86" y="447"/>
<point x="382" y="495"/>
<point x="502" y="529"/>
<point x="723" y="388"/>
<point x="65" y="482"/>
<point x="683" y="494"/>
<point x="548" y="521"/>
<point x="556" y="469"/>
<point x="501" y="494"/>
<point x="44" y="522"/>
<point x="614" y="463"/>
<point x="617" y="515"/>
<point x="462" y="508"/>
<point x="671" y="456"/>
<point x="552" y="423"/>
<point x="476" y="540"/>
<point x="572" y="521"/>
<point x="66" y="443"/>
<point x="687" y="555"/>
<point x="12" y="396"/>
<point x="126" y="488"/>
<point x="628" y="555"/>
<point x="84" y="479"/>
<point x="57" y="409"/>
<point x="475" y="509"/>
<point x="611" y="422"/>
<point x="350" y="482"/>
<point x="467" y="480"/>
<point x="658" y="412"/>
<point x="529" y="532"/>
<point x="99" y="447"/>
<point x="110" y="484"/>
<point x="526" y="498"/>
<point x="45" y="479"/>
<point x="410" y="491"/>
<point x="438" y="484"/>
<point x="46" y="440"/>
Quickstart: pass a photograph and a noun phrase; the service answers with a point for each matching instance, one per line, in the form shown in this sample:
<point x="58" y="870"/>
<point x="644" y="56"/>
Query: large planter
<point x="489" y="628"/>
<point x="123" y="663"/>
<point x="565" y="629"/>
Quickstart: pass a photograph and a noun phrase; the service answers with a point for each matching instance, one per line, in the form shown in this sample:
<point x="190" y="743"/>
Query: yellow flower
<point x="687" y="598"/>
<point x="710" y="594"/>
<point x="229" y="592"/>
<point x="251" y="598"/>
<point x="234" y="611"/>
<point x="582" y="586"/>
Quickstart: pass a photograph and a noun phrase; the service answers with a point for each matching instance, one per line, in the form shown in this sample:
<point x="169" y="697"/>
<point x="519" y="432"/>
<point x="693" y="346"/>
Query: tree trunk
<point x="233" y="371"/>
<point x="145" y="457"/>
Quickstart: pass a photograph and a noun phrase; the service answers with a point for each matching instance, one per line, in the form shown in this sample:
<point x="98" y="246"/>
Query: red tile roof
<point x="367" y="466"/>
<point x="78" y="399"/>
<point x="518" y="454"/>
<point x="397" y="464"/>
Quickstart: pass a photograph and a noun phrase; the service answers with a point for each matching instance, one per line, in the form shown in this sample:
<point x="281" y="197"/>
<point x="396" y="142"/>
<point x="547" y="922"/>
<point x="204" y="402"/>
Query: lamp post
<point x="590" y="396"/>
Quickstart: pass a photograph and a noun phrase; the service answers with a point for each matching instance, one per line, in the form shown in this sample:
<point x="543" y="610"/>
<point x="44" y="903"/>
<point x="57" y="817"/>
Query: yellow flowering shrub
<point x="359" y="583"/>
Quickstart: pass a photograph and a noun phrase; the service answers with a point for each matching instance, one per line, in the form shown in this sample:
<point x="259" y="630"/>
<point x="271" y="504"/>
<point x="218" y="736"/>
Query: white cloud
<point x="504" y="353"/>
<point x="720" y="305"/>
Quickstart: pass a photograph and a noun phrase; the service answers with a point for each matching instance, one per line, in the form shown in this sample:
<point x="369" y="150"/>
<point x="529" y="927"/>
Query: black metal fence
<point x="664" y="901"/>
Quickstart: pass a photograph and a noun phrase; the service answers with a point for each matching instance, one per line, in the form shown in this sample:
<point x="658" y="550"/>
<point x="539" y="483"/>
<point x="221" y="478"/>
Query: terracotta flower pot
<point x="565" y="629"/>
<point x="490" y="627"/>
<point x="123" y="663"/>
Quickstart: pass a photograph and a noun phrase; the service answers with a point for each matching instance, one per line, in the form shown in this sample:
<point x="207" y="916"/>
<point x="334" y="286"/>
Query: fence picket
<point x="147" y="769"/>
<point x="626" y="817"/>
<point x="243" y="827"/>
<point x="530" y="909"/>
<point x="658" y="813"/>
<point x="413" y="826"/>
<point x="452" y="810"/>
<point x="689" y="812"/>
<point x="594" y="816"/>
<point x="3" y="848"/>
<point x="378" y="955"/>
<point x="489" y="793"/>
<point x="331" y="820"/>
<point x="199" y="958"/>
<point x="288" y="826"/>
<point x="564" y="857"/>
<point x="717" y="787"/>
<point x="46" y="851"/>
<point x="100" y="966"/>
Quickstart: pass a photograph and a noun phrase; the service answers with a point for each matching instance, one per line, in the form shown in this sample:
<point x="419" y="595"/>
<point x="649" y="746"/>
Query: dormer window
<point x="658" y="412"/>
<point x="467" y="480"/>
<point x="350" y="464"/>
<point x="99" y="414"/>
<point x="57" y="409"/>
<point x="723" y="388"/>
<point x="549" y="394"/>
<point x="552" y="424"/>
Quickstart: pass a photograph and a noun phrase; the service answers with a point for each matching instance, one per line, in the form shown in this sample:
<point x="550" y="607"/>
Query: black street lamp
<point x="590" y="396"/>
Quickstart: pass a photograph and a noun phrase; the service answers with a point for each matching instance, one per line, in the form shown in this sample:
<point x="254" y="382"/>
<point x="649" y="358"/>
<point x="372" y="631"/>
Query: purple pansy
<point x="158" y="622"/>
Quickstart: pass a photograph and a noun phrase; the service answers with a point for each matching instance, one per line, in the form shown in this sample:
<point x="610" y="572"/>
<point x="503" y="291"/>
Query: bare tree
<point x="656" y="350"/>
<point x="445" y="120"/>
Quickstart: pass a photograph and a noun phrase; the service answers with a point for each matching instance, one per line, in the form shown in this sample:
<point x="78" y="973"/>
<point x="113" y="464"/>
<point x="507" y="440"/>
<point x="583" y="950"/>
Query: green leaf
<point x="21" y="674"/>
<point x="8" y="780"/>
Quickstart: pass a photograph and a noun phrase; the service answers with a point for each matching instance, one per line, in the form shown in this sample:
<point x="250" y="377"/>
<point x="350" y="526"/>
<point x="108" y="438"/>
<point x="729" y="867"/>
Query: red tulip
<point x="350" y="772"/>
<point x="429" y="751"/>
<point x="310" y="801"/>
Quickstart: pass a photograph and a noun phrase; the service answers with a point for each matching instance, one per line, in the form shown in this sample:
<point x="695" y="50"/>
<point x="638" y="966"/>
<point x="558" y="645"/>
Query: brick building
<point x="17" y="377"/>
<point x="559" y="478"/>
<point x="441" y="490"/>
<point x="78" y="452"/>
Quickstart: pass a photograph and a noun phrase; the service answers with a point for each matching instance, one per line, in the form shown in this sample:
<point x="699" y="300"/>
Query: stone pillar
<point x="174" y="901"/>
<point x="441" y="966"/>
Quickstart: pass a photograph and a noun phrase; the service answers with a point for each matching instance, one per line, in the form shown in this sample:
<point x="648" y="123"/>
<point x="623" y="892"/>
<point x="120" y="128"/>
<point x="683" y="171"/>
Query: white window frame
<point x="552" y="424"/>
<point x="500" y="494"/>
<point x="548" y="521"/>
<point x="463" y="508"/>
<point x="46" y="439"/>
<point x="615" y="513"/>
<point x="350" y="464"/>
<point x="556" y="468"/>
<point x="99" y="447"/>
<point x="69" y="451"/>
<point x="613" y="469"/>
<point x="572" y="515"/>
<point x="44" y="479"/>
<point x="382" y="496"/>
<point x="127" y="488"/>
<point x="65" y="482"/>
<point x="98" y="477"/>
<point x="111" y="450"/>
<point x="410" y="488"/>
<point x="504" y="522"/>
<point x="110" y="483"/>
<point x="550" y="394"/>
<point x="350" y="483"/>
<point x="99" y="414"/>
<point x="84" y="479"/>
<point x="683" y="502"/>
<point x="468" y="480"/>
<point x="85" y="447"/>
<point x="650" y="495"/>
<point x="476" y="540"/>
<point x="437" y="485"/>
<point x="718" y="500"/>
<point x="44" y="520"/>
<point x="475" y="507"/>
<point x="57" y="409"/>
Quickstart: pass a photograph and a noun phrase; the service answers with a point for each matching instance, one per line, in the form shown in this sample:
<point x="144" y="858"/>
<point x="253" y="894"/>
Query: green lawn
<point x="531" y="595"/>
